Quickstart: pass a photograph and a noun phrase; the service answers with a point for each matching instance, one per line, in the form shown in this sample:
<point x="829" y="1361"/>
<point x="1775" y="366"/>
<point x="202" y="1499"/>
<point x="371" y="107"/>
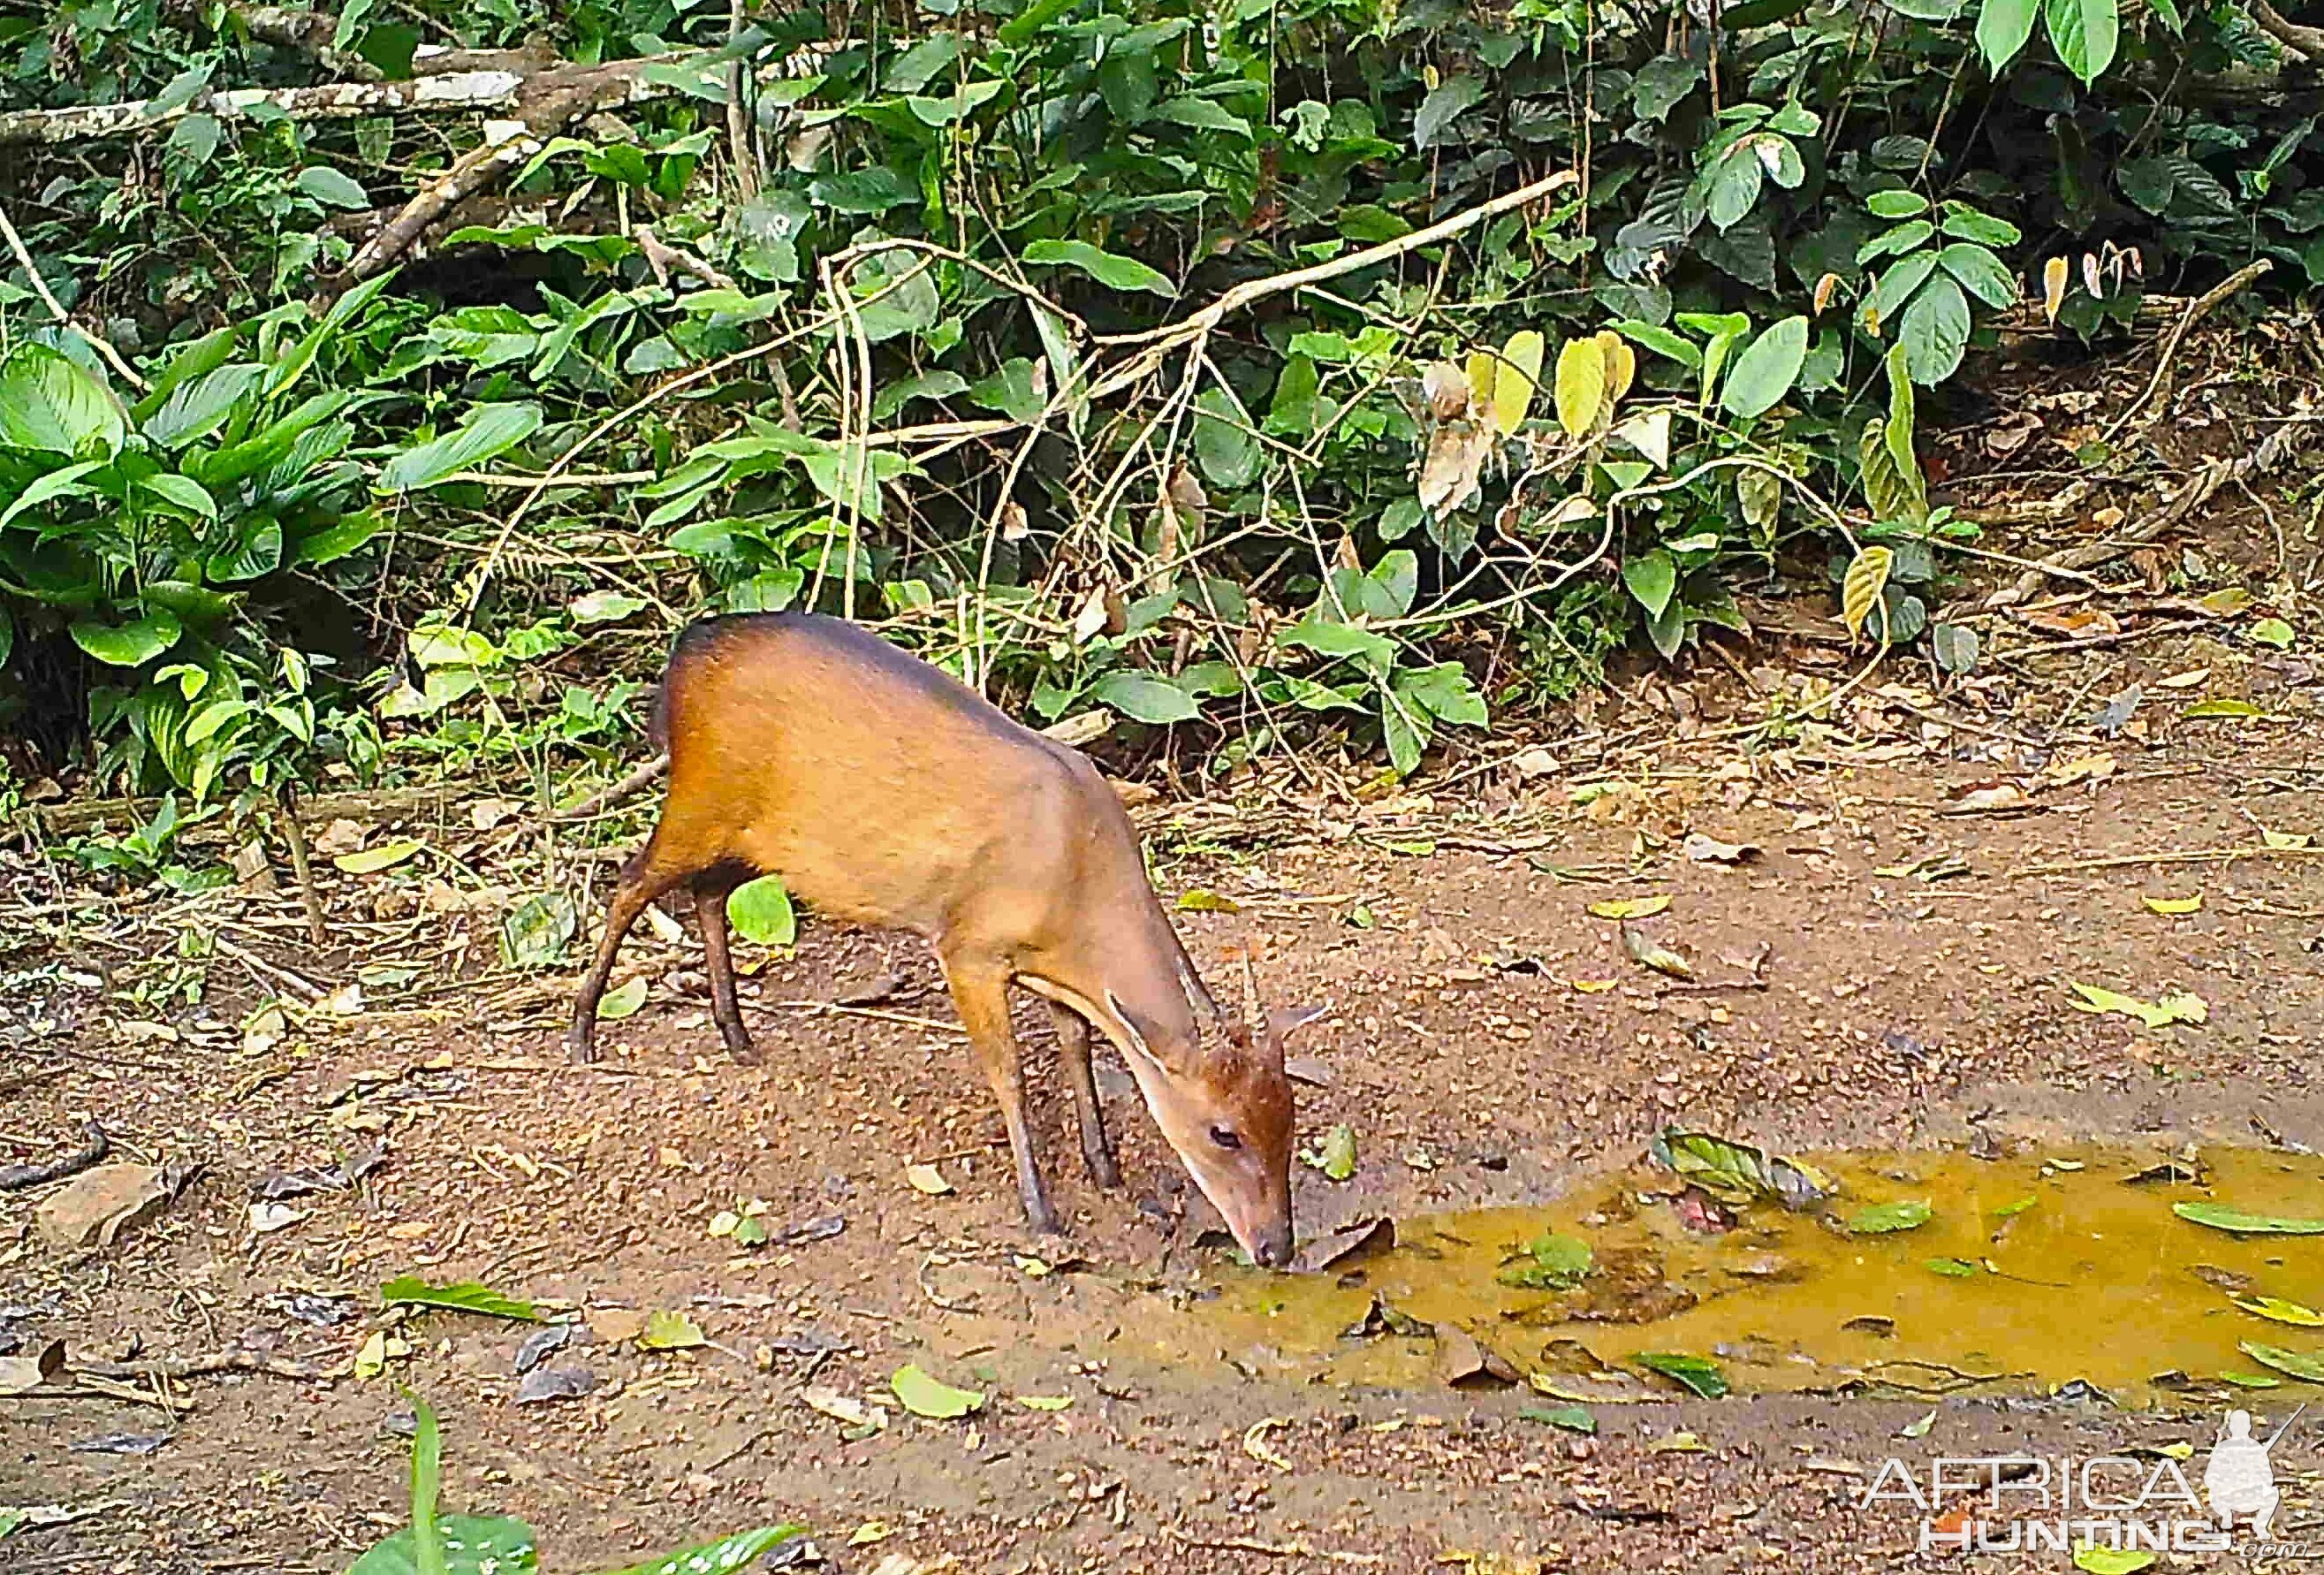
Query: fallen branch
<point x="200" y="1366"/>
<point x="477" y="169"/>
<point x="2159" y="385"/>
<point x="2198" y="491"/>
<point x="2308" y="42"/>
<point x="2178" y="855"/>
<point x="40" y="288"/>
<point x="605" y="799"/>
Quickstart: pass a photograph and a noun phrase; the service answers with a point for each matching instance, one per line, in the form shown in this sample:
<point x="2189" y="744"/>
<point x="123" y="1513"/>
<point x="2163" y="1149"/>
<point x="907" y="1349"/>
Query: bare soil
<point x="1467" y="1049"/>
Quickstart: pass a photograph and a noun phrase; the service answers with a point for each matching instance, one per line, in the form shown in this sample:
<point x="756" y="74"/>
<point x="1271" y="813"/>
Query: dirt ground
<point x="1447" y="931"/>
<point x="1889" y="975"/>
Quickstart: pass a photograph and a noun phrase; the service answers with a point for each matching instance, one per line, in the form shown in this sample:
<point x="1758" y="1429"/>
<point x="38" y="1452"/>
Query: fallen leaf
<point x="1045" y="1402"/>
<point x="2286" y="841"/>
<point x="1918" y="1428"/>
<point x="543" y="1384"/>
<point x="2202" y="710"/>
<point x="377" y="1351"/>
<point x="2178" y="1008"/>
<point x="1699" y="1373"/>
<point x="2308" y="1366"/>
<point x="1553" y="1263"/>
<point x="1703" y="849"/>
<point x="1362" y="1235"/>
<point x="2219" y="1217"/>
<point x="266" y="1218"/>
<point x="2098" y="1560"/>
<point x="623" y="1000"/>
<point x="1631" y="907"/>
<point x="1952" y="1268"/>
<point x="2279" y="1311"/>
<point x="1681" y="1442"/>
<point x="1198" y="901"/>
<point x="1651" y="953"/>
<point x="1578" y="1418"/>
<point x="465" y="1296"/>
<point x="2187" y="680"/>
<point x="927" y="1179"/>
<point x="2088" y="768"/>
<point x="386" y="856"/>
<point x="2078" y="623"/>
<point x="842" y="1408"/>
<point x="22" y="1374"/>
<point x="1462" y="1361"/>
<point x="1254" y="1441"/>
<point x="1740" y="1173"/>
<point x="1886" y="1219"/>
<point x="1335" y="1156"/>
<point x="670" y="1331"/>
<point x="923" y="1396"/>
<point x="1592" y="986"/>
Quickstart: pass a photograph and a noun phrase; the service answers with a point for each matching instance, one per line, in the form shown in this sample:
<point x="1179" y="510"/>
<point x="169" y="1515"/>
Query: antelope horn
<point x="1250" y="1013"/>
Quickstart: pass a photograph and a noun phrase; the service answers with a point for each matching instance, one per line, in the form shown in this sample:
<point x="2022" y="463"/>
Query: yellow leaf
<point x="2288" y="840"/>
<point x="1860" y="592"/>
<point x="2276" y="1311"/>
<point x="1631" y="907"/>
<point x="926" y="1179"/>
<point x="1593" y="987"/>
<point x="1580" y="386"/>
<point x="386" y="856"/>
<point x="1621" y="365"/>
<point x="1045" y="1402"/>
<point x="1824" y="287"/>
<point x="1515" y="375"/>
<point x="1484" y="373"/>
<point x="2176" y="905"/>
<point x="2053" y="287"/>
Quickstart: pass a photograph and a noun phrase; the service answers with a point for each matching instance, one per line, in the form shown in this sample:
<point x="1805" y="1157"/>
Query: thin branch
<point x="2308" y="42"/>
<point x="40" y="287"/>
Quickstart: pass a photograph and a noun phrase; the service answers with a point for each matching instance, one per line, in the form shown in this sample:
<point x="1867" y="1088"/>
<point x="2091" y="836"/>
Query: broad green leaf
<point x="1699" y="1373"/>
<point x="1896" y="204"/>
<point x="1951" y="1268"/>
<point x="490" y="429"/>
<point x="465" y="1296"/>
<point x="372" y="860"/>
<point x="1935" y="330"/>
<point x="1739" y="1173"/>
<point x="1144" y="698"/>
<point x="196" y="407"/>
<point x="726" y="1556"/>
<point x="2308" y="1366"/>
<point x="875" y="190"/>
<point x="923" y="1395"/>
<point x="1108" y="268"/>
<point x="1564" y="1418"/>
<point x="256" y="550"/>
<point x="2219" y="1217"/>
<point x="761" y="911"/>
<point x="1965" y="223"/>
<point x="2096" y="1560"/>
<point x="487" y="1546"/>
<point x="2084" y="33"/>
<point x="1886" y="1219"/>
<point x="330" y="187"/>
<point x="1225" y="446"/>
<point x="1444" y="105"/>
<point x="1652" y="578"/>
<point x="128" y="644"/>
<point x="62" y="482"/>
<point x="1955" y="648"/>
<point x="1764" y="372"/>
<point x="2003" y="26"/>
<point x="1980" y="273"/>
<point x="186" y="493"/>
<point x="48" y="403"/>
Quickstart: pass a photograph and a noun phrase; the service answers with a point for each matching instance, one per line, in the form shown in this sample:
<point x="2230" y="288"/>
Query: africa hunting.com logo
<point x="1996" y="1504"/>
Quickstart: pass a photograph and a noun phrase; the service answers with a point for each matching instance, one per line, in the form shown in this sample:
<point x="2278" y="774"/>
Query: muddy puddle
<point x="2026" y="1274"/>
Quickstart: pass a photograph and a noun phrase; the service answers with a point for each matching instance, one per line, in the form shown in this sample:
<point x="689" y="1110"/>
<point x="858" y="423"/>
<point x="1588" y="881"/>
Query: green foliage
<point x="888" y="378"/>
<point x="463" y="1544"/>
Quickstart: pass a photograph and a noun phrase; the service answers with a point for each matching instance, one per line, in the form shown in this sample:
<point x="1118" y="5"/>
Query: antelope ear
<point x="1284" y="1019"/>
<point x="1135" y="1035"/>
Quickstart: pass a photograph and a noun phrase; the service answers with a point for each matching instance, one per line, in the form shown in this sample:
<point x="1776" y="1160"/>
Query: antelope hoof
<point x="580" y="1046"/>
<point x="1102" y="1169"/>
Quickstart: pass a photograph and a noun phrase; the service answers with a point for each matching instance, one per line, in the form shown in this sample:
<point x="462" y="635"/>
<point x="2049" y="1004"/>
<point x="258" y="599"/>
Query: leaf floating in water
<point x="1699" y="1373"/>
<point x="1886" y="1219"/>
<point x="1740" y="1173"/>
<point x="925" y="1396"/>
<point x="2280" y="1311"/>
<point x="1557" y="1262"/>
<point x="2308" y="1366"/>
<point x="2012" y="1210"/>
<point x="2219" y="1217"/>
<point x="1952" y="1268"/>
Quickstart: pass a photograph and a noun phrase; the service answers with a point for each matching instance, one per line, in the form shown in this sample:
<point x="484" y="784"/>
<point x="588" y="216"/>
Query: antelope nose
<point x="1274" y="1252"/>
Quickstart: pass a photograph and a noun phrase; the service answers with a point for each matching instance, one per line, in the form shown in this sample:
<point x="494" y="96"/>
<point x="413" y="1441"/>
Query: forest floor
<point x="1885" y="986"/>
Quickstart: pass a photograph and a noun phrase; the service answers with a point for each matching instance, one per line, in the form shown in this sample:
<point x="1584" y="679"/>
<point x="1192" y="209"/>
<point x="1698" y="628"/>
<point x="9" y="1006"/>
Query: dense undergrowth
<point x="1104" y="351"/>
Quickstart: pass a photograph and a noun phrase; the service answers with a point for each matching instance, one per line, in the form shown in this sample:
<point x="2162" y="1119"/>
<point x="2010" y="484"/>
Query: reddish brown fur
<point x="885" y="793"/>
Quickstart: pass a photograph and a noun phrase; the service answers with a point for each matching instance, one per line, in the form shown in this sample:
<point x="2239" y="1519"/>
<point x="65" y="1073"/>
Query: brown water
<point x="2062" y="1270"/>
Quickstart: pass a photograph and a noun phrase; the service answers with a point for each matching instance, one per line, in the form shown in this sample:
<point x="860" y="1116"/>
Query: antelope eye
<point x="1224" y="1137"/>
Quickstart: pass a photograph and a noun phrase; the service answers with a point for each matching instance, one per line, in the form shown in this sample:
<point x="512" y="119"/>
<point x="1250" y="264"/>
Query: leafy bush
<point x="935" y="354"/>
